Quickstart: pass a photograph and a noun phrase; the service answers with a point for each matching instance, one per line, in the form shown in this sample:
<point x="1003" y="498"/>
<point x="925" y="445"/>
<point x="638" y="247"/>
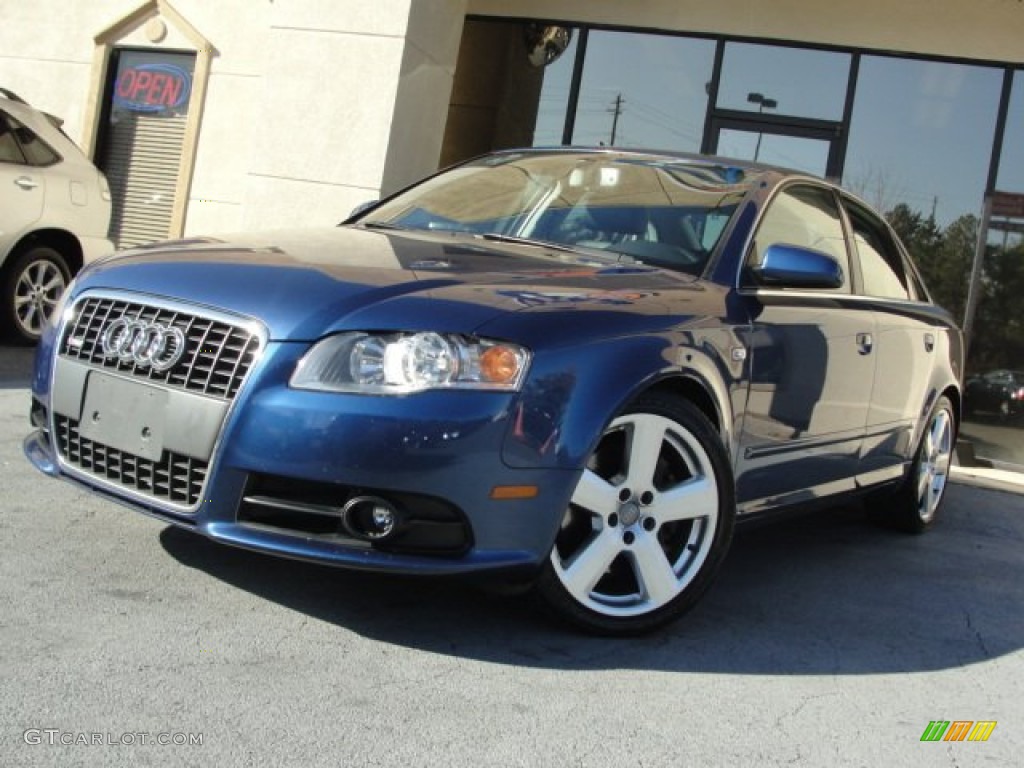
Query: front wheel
<point x="648" y="525"/>
<point x="32" y="287"/>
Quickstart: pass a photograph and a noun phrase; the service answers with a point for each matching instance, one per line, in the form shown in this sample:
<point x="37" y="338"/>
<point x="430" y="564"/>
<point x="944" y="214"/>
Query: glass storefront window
<point x="622" y="101"/>
<point x="789" y="81"/>
<point x="994" y="387"/>
<point x="921" y="135"/>
<point x="798" y="153"/>
<point x="1011" y="163"/>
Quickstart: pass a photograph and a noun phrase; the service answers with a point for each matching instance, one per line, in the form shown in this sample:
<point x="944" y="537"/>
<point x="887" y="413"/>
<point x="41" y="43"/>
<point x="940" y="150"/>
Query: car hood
<point x="304" y="284"/>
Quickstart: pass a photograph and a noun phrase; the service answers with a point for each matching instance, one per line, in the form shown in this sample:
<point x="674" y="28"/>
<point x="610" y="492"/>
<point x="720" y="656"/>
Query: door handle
<point x="865" y="343"/>
<point x="929" y="342"/>
<point x="26" y="183"/>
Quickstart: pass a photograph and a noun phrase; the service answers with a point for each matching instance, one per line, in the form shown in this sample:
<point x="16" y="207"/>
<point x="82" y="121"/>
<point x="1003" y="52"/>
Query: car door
<point x="910" y="336"/>
<point x="22" y="187"/>
<point x="810" y="361"/>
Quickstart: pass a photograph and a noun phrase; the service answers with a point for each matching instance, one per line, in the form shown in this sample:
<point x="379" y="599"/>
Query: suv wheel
<point x="32" y="287"/>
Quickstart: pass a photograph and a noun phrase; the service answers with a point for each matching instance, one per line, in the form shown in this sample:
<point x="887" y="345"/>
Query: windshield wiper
<point x="499" y="238"/>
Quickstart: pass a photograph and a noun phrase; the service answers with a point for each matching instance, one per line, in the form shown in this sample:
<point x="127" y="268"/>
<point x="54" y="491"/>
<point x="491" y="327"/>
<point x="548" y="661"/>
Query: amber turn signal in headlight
<point x="500" y="364"/>
<point x="402" y="363"/>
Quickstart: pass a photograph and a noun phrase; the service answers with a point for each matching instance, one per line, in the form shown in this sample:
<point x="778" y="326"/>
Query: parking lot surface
<point x="826" y="642"/>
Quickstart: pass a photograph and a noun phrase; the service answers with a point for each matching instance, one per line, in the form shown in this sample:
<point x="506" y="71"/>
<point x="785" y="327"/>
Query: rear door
<point x="22" y="186"/>
<point x="910" y="337"/>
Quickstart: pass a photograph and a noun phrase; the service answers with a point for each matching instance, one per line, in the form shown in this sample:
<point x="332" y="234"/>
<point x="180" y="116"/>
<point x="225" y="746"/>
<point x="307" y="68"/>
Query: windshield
<point x="665" y="212"/>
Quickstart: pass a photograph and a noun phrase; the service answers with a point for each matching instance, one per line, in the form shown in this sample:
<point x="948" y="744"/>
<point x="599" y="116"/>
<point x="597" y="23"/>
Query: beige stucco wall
<point x="312" y="106"/>
<point x="981" y="29"/>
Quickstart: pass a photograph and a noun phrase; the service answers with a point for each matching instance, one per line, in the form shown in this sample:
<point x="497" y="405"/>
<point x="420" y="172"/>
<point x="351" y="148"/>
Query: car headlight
<point x="400" y="363"/>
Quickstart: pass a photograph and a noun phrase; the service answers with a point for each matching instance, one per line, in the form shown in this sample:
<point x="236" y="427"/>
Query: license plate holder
<point x="125" y="415"/>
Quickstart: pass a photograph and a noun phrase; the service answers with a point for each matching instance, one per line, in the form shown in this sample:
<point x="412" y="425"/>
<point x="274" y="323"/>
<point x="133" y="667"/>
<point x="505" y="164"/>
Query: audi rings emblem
<point x="143" y="343"/>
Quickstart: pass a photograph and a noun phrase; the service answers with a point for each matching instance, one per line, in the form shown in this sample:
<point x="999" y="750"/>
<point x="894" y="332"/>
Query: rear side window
<point x="881" y="263"/>
<point x="10" y="152"/>
<point x="807" y="217"/>
<point x="19" y="144"/>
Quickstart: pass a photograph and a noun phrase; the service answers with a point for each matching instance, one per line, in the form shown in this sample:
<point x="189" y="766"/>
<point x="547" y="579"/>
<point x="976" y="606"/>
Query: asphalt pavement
<point x="826" y="642"/>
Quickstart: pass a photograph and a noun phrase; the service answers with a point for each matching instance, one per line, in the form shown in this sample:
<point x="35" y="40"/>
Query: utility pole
<point x="616" y="110"/>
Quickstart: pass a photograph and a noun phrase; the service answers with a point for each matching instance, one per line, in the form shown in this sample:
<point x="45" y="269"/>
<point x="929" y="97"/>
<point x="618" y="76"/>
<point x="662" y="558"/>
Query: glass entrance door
<point x="763" y="144"/>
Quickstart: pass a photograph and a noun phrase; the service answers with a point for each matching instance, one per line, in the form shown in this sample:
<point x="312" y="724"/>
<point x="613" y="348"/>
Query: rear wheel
<point x="914" y="506"/>
<point x="648" y="525"/>
<point x="32" y="287"/>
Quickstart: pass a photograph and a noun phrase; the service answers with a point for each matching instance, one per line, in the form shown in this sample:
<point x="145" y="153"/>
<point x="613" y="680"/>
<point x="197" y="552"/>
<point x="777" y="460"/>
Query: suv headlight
<point x="401" y="363"/>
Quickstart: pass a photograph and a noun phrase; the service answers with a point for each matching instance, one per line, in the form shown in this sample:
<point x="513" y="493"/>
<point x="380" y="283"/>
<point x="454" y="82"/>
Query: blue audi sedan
<point x="574" y="369"/>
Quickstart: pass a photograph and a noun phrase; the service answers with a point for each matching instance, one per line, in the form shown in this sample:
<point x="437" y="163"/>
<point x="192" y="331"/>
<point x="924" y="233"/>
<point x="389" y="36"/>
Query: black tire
<point x="914" y="506"/>
<point x="647" y="528"/>
<point x="32" y="286"/>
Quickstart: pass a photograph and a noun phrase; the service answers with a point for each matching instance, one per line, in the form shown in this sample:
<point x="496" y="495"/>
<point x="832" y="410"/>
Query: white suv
<point x="54" y="216"/>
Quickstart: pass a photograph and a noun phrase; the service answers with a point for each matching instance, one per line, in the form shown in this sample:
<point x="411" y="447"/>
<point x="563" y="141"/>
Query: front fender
<point x="566" y="404"/>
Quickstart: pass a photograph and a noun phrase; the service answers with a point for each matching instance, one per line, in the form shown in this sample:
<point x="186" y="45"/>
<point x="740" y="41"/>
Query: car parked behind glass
<point x="54" y="214"/>
<point x="573" y="368"/>
<point x="1000" y="393"/>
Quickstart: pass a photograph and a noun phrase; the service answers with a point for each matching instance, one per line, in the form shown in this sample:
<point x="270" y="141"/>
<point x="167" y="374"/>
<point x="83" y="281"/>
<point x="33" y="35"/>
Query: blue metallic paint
<point x="600" y="334"/>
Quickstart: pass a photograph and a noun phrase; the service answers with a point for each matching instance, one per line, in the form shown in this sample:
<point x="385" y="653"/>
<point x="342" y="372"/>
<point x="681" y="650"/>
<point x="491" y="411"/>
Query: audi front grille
<point x="216" y="357"/>
<point x="199" y="359"/>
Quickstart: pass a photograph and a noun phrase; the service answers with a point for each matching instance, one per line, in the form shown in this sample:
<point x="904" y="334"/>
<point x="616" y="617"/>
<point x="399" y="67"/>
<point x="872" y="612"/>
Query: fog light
<point x="370" y="518"/>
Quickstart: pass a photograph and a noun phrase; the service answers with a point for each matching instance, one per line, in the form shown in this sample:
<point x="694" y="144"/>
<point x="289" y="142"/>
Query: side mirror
<point x="790" y="266"/>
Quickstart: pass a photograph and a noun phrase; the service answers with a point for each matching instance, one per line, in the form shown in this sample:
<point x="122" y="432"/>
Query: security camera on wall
<point x="545" y="43"/>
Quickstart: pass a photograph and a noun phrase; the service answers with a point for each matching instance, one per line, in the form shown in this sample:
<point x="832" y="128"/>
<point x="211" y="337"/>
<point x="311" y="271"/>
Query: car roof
<point x="665" y="155"/>
<point x="42" y="123"/>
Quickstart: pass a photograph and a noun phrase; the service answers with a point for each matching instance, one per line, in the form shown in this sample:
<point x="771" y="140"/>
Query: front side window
<point x="808" y="217"/>
<point x="881" y="263"/>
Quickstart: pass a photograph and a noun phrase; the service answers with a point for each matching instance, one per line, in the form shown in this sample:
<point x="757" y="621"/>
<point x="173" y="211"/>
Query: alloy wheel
<point x="642" y="520"/>
<point x="37" y="291"/>
<point x="933" y="465"/>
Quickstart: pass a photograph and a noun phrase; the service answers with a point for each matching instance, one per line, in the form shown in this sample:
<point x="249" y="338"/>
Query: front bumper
<point x="444" y="448"/>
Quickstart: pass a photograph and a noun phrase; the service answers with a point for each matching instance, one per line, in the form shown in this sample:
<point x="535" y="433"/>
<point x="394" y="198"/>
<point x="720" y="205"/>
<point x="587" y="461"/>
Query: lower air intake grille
<point x="175" y="478"/>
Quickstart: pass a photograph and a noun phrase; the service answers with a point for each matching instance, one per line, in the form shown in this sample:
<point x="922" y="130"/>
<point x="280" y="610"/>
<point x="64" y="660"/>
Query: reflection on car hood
<point x="304" y="284"/>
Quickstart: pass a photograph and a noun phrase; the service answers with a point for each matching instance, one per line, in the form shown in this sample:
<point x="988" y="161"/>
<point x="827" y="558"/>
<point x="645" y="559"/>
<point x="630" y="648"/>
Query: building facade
<point x="256" y="114"/>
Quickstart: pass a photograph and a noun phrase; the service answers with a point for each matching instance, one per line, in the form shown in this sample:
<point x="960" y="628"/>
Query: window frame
<point x="911" y="279"/>
<point x="850" y="273"/>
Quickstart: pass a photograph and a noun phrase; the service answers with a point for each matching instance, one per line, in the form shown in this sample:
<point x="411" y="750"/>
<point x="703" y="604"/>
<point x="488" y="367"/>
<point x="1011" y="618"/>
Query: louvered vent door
<point x="142" y="166"/>
<point x="143" y="142"/>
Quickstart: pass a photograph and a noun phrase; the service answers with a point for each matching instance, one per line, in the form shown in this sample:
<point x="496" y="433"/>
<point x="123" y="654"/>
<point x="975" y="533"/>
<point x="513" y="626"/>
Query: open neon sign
<point x="152" y="88"/>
